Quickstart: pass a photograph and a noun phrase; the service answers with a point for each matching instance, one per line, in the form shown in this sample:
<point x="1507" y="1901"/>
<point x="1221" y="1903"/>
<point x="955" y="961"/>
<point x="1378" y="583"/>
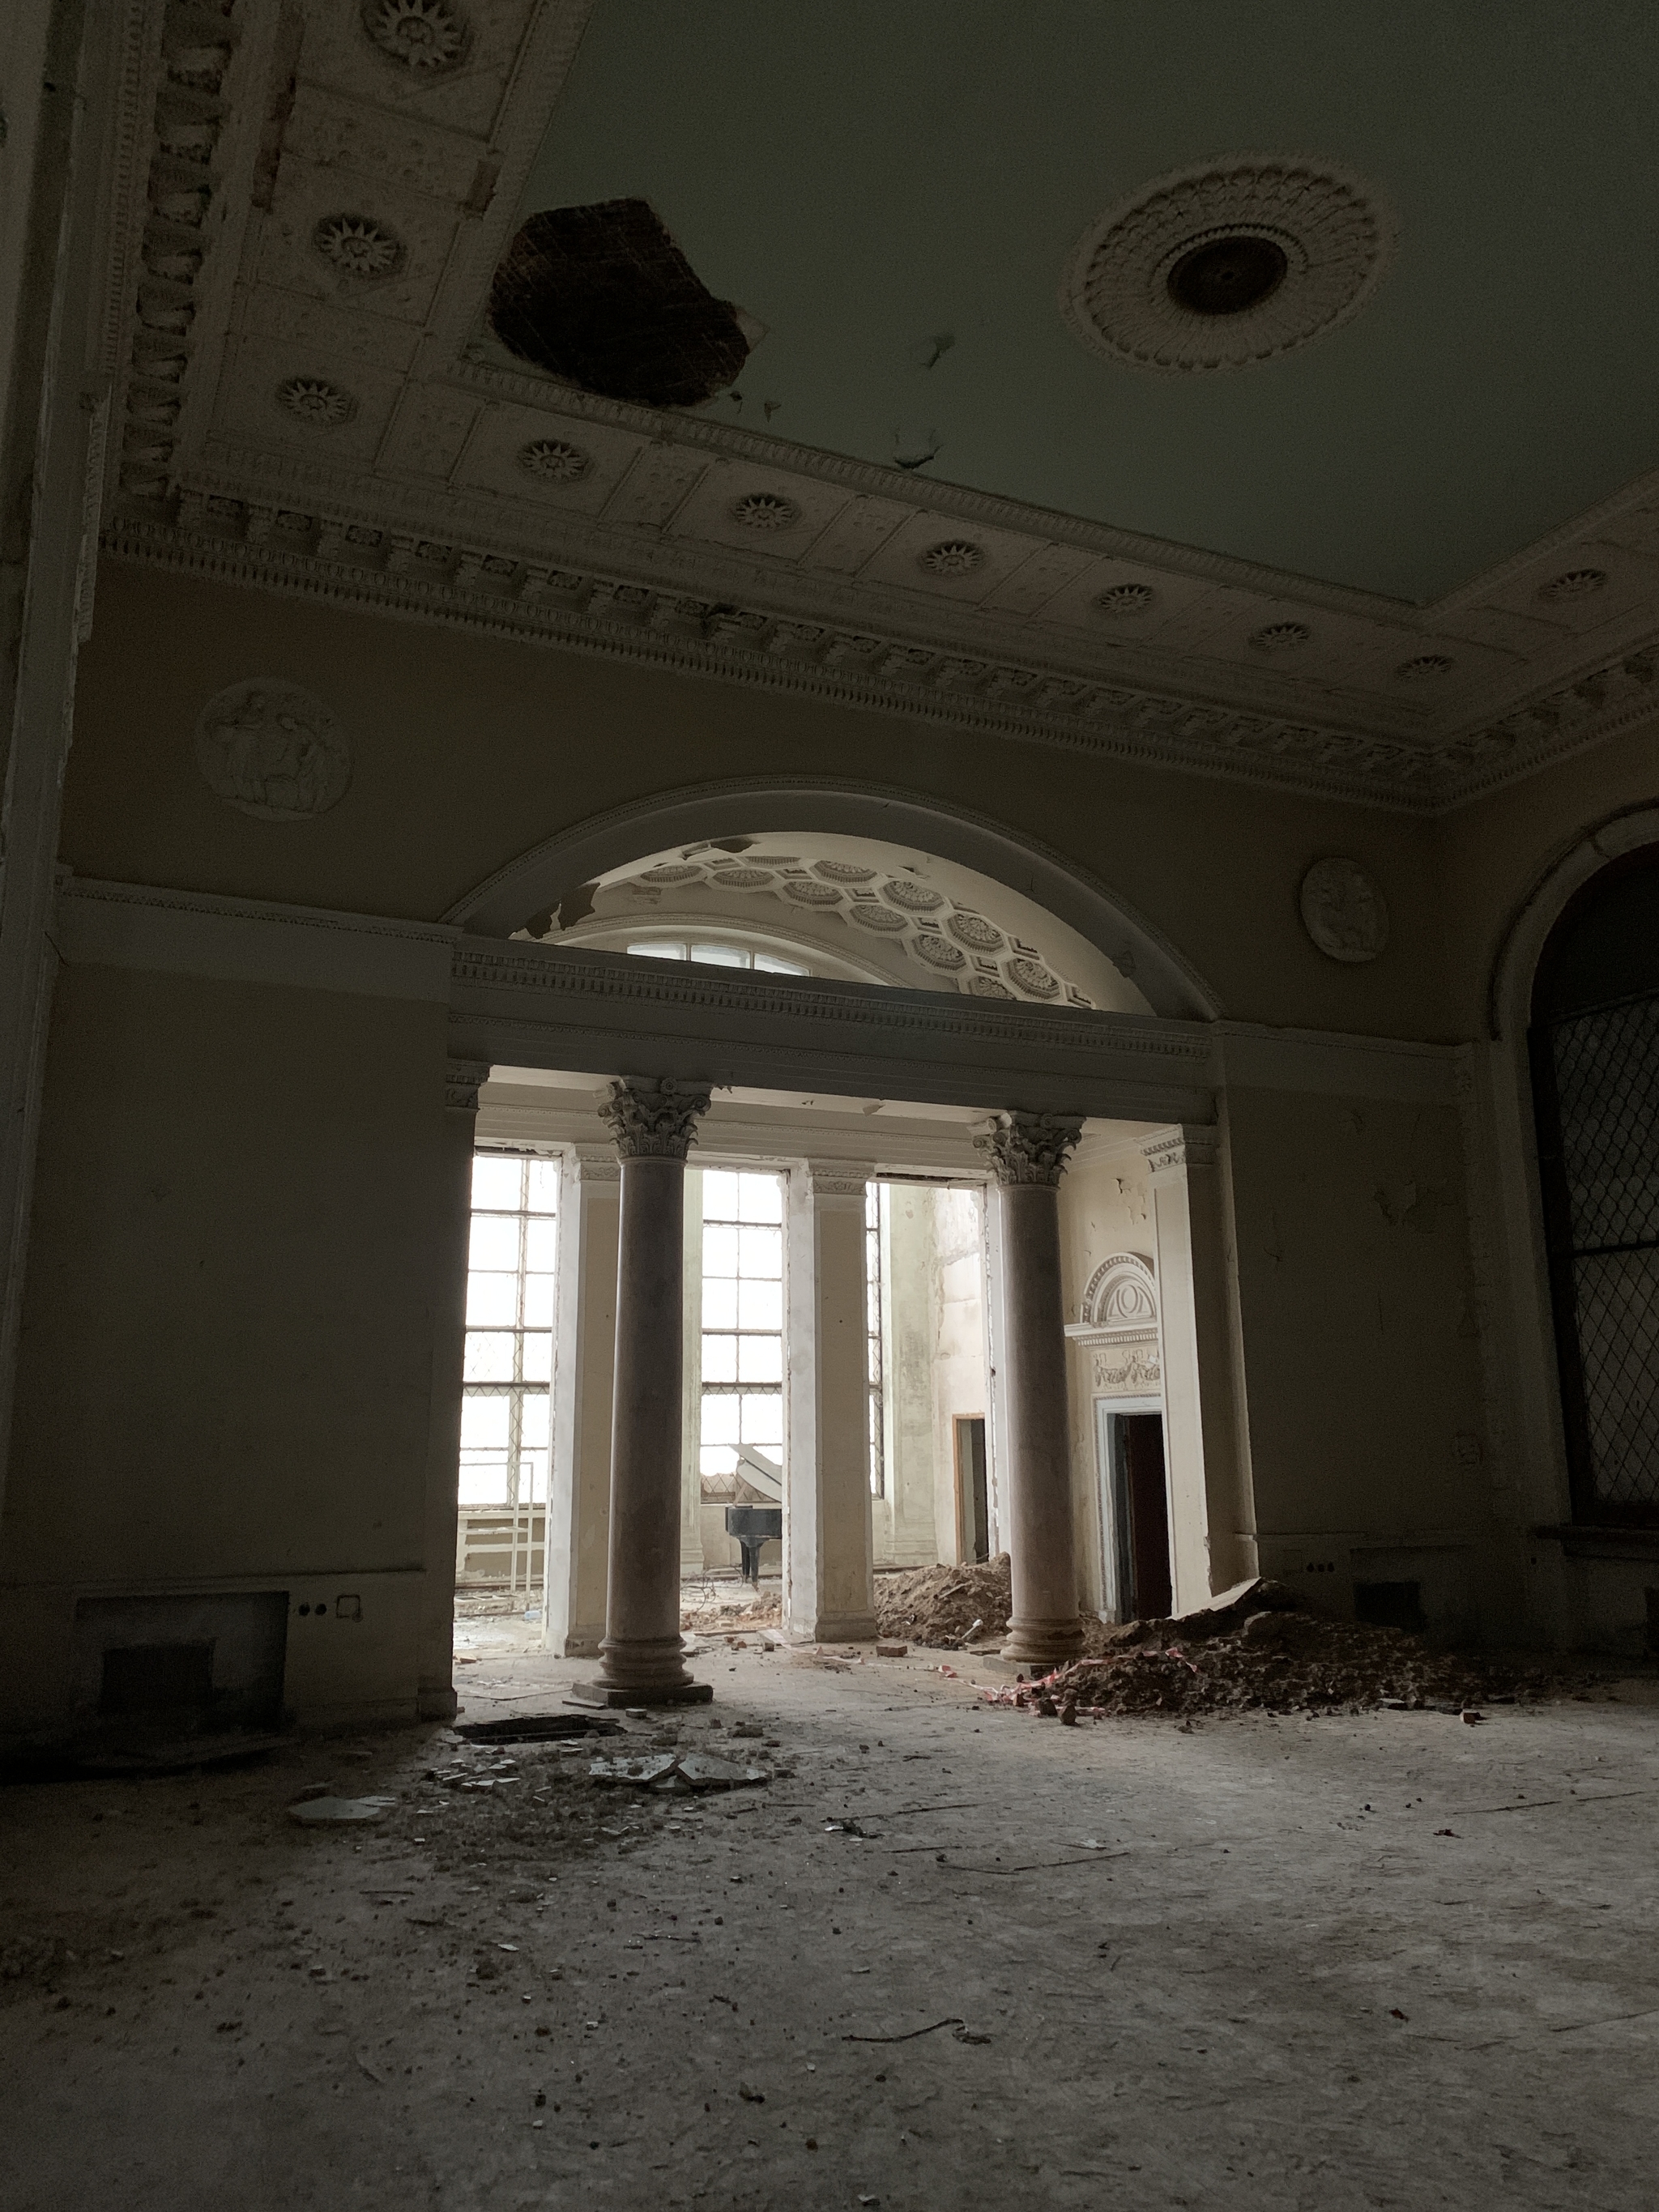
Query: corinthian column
<point x="652" y="1124"/>
<point x="1028" y="1153"/>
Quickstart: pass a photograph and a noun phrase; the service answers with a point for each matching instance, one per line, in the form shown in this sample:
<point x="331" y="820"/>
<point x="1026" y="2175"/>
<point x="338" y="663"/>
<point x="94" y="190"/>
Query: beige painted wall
<point x="469" y="751"/>
<point x="228" y="1351"/>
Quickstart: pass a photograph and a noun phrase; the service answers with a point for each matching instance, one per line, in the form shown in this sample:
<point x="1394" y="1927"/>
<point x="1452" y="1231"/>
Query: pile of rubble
<point x="712" y="1607"/>
<point x="1261" y="1652"/>
<point x="948" y="1606"/>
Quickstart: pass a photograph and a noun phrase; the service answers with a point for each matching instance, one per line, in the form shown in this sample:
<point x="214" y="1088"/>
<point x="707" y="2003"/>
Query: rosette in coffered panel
<point x="429" y="431"/>
<point x="370" y="248"/>
<point x="1581" y="590"/>
<point x="857" y="534"/>
<point x="945" y="558"/>
<point x="760" y="511"/>
<point x="285" y="397"/>
<point x="1120" y="603"/>
<point x="1427" y="670"/>
<point x="546" y="460"/>
<point x="445" y="61"/>
<point x="1287" y="637"/>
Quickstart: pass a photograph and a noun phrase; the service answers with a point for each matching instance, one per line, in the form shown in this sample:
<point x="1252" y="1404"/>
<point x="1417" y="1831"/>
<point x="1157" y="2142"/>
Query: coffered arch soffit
<point x="546" y="879"/>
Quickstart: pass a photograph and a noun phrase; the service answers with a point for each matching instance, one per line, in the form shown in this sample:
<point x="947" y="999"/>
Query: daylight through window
<point x="509" y="1330"/>
<point x="742" y="1318"/>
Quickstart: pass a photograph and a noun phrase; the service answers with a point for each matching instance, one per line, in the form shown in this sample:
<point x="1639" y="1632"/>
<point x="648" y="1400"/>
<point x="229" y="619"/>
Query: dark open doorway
<point x="1134" y="1514"/>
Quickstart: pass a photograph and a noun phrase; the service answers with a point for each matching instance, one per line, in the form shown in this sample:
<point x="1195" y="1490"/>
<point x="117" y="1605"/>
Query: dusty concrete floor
<point x="1393" y="1961"/>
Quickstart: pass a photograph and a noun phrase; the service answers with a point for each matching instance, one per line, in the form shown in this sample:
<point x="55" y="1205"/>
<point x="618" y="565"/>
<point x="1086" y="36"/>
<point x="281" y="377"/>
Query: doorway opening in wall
<point x="500" y="1535"/>
<point x="1135" y="1510"/>
<point x="973" y="1500"/>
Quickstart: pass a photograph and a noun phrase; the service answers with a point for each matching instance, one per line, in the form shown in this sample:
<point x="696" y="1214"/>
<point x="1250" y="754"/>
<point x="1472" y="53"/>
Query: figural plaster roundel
<point x="1227" y="264"/>
<point x="272" y="750"/>
<point x="1343" y="911"/>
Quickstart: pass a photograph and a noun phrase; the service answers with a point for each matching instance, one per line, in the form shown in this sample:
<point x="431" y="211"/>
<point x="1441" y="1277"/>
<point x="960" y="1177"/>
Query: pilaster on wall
<point x="437" y="1694"/>
<point x="1212" y="1514"/>
<point x="579" y="1501"/>
<point x="828" y="1580"/>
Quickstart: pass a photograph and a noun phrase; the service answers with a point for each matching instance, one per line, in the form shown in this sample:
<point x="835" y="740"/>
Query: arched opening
<point x="552" y="891"/>
<point x="1594" y="1045"/>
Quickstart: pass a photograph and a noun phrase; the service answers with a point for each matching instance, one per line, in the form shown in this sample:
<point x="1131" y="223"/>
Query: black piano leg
<point x="750" y="1548"/>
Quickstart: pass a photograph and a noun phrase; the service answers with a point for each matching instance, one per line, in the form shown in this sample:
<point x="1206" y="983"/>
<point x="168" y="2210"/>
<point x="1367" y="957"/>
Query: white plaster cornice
<point x="412" y="516"/>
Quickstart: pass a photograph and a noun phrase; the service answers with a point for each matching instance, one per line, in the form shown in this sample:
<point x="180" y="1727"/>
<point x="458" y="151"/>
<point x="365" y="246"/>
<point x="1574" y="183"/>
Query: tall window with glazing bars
<point x="509" y="1330"/>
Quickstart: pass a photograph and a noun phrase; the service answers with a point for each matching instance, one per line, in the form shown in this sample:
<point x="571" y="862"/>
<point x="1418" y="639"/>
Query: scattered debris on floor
<point x="709" y="1607"/>
<point x="1259" y="1651"/>
<point x="947" y="1607"/>
<point x="670" y="1771"/>
<point x="536" y="1728"/>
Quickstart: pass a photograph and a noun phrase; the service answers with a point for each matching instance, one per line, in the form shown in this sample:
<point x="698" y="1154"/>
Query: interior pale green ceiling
<point x="862" y="175"/>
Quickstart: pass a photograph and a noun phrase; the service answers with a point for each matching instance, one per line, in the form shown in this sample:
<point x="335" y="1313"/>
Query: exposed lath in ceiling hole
<point x="603" y="296"/>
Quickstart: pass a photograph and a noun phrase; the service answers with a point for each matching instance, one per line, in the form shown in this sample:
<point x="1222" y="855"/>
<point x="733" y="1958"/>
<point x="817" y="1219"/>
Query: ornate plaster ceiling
<point x="310" y="203"/>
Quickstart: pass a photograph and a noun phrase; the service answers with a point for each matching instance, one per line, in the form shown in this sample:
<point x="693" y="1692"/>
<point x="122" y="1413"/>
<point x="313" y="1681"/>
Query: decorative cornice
<point x="1030" y="1148"/>
<point x="653" y="1121"/>
<point x="837" y="1179"/>
<point x="463" y="1080"/>
<point x="1180" y="1149"/>
<point x="596" y="1164"/>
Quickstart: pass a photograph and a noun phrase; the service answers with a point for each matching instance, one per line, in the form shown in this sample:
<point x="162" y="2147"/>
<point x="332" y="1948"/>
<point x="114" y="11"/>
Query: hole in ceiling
<point x="1225" y="276"/>
<point x="603" y="296"/>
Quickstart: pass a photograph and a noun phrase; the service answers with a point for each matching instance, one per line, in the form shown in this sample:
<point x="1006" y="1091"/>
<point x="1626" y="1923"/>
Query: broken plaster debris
<point x="665" y="1770"/>
<point x="339" y="1811"/>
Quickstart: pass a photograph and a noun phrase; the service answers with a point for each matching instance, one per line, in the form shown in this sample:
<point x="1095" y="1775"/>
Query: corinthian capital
<point x="1030" y="1147"/>
<point x="653" y="1119"/>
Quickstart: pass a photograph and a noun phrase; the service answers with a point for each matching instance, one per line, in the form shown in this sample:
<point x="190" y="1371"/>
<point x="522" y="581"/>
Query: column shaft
<point x="1029" y="1153"/>
<point x="579" y="1502"/>
<point x="641" y="1660"/>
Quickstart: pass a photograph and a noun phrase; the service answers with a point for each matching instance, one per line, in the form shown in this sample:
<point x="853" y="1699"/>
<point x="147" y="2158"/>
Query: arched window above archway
<point x="1594" y="1050"/>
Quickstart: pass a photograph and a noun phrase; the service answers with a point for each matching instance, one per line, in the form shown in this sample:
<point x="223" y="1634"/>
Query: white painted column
<point x="640" y="1656"/>
<point x="436" y="1697"/>
<point x="691" y="1558"/>
<point x="1028" y="1154"/>
<point x="1205" y="1450"/>
<point x="583" y="1366"/>
<point x="829" y="1591"/>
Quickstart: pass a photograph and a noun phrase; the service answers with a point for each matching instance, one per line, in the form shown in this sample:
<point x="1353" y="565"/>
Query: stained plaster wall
<point x="468" y="751"/>
<point x="1493" y="858"/>
<point x="227" y="1364"/>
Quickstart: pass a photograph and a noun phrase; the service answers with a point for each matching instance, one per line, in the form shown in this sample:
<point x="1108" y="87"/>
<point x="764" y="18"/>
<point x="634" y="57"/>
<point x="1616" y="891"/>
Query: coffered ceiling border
<point x="194" y="163"/>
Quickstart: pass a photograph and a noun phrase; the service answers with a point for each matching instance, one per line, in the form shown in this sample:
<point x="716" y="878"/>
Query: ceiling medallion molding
<point x="1227" y="264"/>
<point x="405" y="575"/>
<point x="428" y="38"/>
<point x="358" y="247"/>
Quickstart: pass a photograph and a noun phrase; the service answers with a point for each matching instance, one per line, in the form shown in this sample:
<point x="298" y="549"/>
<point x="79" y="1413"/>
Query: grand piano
<point x="755" y="1524"/>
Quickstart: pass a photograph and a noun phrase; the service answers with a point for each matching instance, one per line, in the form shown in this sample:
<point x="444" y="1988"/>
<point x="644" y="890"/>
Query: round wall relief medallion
<point x="955" y="557"/>
<point x="359" y="247"/>
<point x="1226" y="263"/>
<point x="316" y="402"/>
<point x="554" y="461"/>
<point x="1343" y="911"/>
<point x="881" y="919"/>
<point x="428" y="36"/>
<point x="272" y="750"/>
<point x="765" y="510"/>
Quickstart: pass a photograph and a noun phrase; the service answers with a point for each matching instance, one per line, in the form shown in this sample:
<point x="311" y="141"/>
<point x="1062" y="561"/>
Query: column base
<point x="1045" y="1643"/>
<point x="614" y="1694"/>
<point x="436" y="1701"/>
<point x="836" y="1628"/>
